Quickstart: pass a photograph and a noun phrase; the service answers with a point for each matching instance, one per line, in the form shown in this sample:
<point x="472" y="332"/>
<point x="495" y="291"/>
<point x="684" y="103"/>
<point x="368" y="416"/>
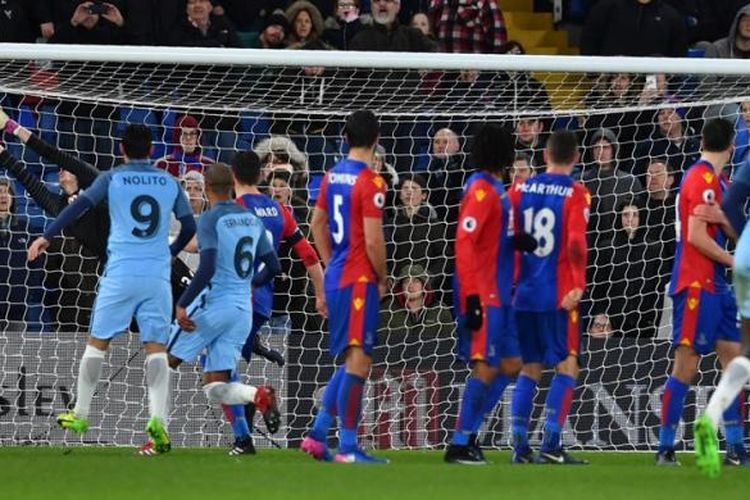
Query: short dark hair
<point x="136" y="141"/>
<point x="718" y="135"/>
<point x="521" y="156"/>
<point x="416" y="179"/>
<point x="362" y="129"/>
<point x="219" y="178"/>
<point x="281" y="175"/>
<point x="494" y="148"/>
<point x="246" y="168"/>
<point x="562" y="147"/>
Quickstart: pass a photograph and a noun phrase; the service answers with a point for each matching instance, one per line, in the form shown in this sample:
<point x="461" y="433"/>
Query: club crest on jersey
<point x="379" y="200"/>
<point x="708" y="177"/>
<point x="480" y="194"/>
<point x="358" y="303"/>
<point x="469" y="224"/>
<point x="709" y="196"/>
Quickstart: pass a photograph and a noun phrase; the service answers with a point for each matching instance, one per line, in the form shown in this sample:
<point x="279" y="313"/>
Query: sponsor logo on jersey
<point x="709" y="196"/>
<point x="469" y="224"/>
<point x="379" y="200"/>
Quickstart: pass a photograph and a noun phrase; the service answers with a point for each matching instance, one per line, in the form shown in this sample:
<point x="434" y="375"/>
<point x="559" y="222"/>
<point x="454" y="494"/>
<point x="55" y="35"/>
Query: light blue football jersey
<point x="141" y="198"/>
<point x="238" y="237"/>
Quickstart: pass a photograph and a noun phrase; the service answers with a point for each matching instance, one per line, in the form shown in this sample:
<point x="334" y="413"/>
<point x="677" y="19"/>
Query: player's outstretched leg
<point x="521" y="407"/>
<point x="706" y="447"/>
<point x="89" y="372"/>
<point x="315" y="444"/>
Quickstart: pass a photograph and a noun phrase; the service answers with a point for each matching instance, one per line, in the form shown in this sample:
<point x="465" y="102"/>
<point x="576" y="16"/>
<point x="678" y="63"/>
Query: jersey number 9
<point x="145" y="210"/>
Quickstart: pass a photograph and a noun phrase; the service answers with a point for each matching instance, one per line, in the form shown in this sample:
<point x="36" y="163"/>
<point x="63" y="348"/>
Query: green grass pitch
<point x="206" y="474"/>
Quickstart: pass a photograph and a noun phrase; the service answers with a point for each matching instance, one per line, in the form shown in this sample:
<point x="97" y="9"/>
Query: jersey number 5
<point x="145" y="210"/>
<point x="338" y="219"/>
<point x="541" y="226"/>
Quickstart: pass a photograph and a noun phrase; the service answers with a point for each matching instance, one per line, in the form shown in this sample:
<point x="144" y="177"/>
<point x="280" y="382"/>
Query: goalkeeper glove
<point x="473" y="316"/>
<point x="524" y="242"/>
<point x="7" y="123"/>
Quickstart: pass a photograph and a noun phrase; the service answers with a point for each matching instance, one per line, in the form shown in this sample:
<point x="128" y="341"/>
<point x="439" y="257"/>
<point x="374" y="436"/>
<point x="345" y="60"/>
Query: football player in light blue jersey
<point x="136" y="281"/>
<point x="215" y="313"/>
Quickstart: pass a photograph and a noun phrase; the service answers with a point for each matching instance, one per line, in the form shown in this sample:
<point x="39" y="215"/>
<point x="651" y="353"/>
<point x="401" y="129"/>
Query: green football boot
<point x="158" y="434"/>
<point x="706" y="447"/>
<point x="69" y="420"/>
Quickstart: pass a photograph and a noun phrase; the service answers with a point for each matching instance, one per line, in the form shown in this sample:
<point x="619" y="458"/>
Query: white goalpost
<point x="638" y="120"/>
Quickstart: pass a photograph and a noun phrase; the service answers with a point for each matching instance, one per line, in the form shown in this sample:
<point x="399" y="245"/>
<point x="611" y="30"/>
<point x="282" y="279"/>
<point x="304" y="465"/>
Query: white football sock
<point x="173" y="374"/>
<point x="157" y="380"/>
<point x="732" y="381"/>
<point x="230" y="394"/>
<point x="89" y="373"/>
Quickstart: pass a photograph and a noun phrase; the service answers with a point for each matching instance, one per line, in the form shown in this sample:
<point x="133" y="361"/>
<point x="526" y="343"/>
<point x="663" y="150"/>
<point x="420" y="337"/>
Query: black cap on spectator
<point x="276" y="18"/>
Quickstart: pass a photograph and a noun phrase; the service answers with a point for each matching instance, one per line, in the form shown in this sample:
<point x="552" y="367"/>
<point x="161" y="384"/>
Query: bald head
<point x="445" y="143"/>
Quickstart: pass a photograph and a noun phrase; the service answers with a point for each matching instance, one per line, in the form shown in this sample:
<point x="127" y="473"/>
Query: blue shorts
<point x="353" y="317"/>
<point x="118" y="299"/>
<point x="222" y="331"/>
<point x="549" y="337"/>
<point x="496" y="340"/>
<point x="258" y="321"/>
<point x="701" y="318"/>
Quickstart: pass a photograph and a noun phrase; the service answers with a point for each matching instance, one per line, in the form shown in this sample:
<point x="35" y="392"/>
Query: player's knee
<point x="484" y="372"/>
<point x="215" y="391"/>
<point x="511" y="366"/>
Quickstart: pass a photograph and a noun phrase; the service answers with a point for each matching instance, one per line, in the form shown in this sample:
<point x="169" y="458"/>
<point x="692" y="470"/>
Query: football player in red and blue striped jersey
<point x="554" y="209"/>
<point x="347" y="228"/>
<point x="487" y="338"/>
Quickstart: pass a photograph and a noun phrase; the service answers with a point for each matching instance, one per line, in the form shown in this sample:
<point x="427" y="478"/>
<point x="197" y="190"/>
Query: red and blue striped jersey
<point x="554" y="209"/>
<point x="349" y="193"/>
<point x="484" y="249"/>
<point x="691" y="268"/>
<point x="279" y="226"/>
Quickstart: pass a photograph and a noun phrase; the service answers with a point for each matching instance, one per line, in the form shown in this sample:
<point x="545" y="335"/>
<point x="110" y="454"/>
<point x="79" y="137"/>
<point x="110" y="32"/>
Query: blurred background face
<point x="411" y="194"/>
<point x="414" y="289"/>
<point x="199" y="10"/>
<point x="385" y="11"/>
<point x="303" y="25"/>
<point x="347" y="10"/>
<point x="528" y="130"/>
<point x="520" y="172"/>
<point x="668" y="119"/>
<point x="620" y="84"/>
<point x="630" y="218"/>
<point x="603" y="152"/>
<point x="743" y="27"/>
<point x="745" y="109"/>
<point x="445" y="143"/>
<point x="189" y="139"/>
<point x="280" y="191"/>
<point x="6" y="199"/>
<point x="68" y="182"/>
<point x="274" y="34"/>
<point x="377" y="163"/>
<point x="658" y="178"/>
<point x="421" y="22"/>
<point x="196" y="195"/>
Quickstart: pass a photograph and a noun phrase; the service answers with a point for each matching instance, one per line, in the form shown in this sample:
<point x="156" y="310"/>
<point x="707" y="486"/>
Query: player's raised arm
<point x="72" y="212"/>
